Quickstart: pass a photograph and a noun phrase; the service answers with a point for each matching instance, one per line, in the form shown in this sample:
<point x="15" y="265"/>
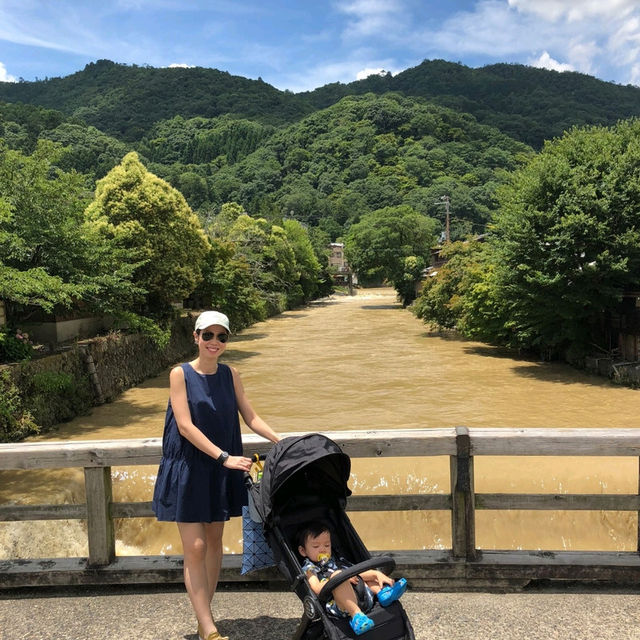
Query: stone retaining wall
<point x="123" y="361"/>
<point x="624" y="373"/>
<point x="63" y="385"/>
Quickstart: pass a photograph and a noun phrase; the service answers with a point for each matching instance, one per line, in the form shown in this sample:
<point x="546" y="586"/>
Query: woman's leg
<point x="194" y="545"/>
<point x="214" y="531"/>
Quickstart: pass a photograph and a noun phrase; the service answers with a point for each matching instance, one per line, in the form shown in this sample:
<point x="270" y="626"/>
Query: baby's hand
<point x="384" y="579"/>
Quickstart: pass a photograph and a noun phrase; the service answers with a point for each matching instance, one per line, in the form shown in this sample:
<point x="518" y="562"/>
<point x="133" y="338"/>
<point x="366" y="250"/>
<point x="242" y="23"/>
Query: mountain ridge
<point x="527" y="103"/>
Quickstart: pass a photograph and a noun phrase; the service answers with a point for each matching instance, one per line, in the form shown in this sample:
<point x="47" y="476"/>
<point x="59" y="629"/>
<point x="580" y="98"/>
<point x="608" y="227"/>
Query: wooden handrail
<point x="460" y="444"/>
<point x="358" y="444"/>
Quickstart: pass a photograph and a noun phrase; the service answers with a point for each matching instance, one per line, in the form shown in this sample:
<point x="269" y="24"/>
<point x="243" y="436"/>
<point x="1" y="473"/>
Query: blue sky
<point x="303" y="44"/>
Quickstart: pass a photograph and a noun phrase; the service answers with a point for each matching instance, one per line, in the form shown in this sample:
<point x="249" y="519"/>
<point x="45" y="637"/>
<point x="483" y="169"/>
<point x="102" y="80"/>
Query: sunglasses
<point x="209" y="335"/>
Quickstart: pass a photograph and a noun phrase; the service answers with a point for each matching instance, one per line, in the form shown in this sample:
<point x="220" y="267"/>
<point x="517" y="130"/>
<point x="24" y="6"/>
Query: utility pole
<point x="445" y="201"/>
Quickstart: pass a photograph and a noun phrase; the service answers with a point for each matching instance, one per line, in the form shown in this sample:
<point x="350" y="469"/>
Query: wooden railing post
<point x="100" y="529"/>
<point x="463" y="526"/>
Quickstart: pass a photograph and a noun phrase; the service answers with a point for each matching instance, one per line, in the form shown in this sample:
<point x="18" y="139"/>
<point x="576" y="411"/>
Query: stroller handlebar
<point x="257" y="459"/>
<point x="384" y="563"/>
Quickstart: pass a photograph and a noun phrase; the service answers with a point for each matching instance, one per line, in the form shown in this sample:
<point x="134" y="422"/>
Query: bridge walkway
<point x="164" y="613"/>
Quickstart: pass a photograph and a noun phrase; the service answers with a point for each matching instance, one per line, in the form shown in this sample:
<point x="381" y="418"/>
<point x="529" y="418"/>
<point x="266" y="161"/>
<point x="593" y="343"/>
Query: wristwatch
<point x="222" y="458"/>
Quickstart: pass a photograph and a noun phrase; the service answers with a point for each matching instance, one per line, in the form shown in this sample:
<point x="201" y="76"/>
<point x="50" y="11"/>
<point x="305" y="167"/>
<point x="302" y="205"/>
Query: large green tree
<point x="394" y="244"/>
<point x="50" y="255"/>
<point x="564" y="247"/>
<point x="309" y="268"/>
<point x="456" y="293"/>
<point x="139" y="211"/>
<point x="228" y="285"/>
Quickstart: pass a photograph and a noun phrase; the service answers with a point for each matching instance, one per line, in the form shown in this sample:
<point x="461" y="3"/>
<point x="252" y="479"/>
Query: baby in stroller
<point x="314" y="544"/>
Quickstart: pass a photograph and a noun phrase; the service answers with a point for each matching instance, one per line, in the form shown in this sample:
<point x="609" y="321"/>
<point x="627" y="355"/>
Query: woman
<point x="200" y="480"/>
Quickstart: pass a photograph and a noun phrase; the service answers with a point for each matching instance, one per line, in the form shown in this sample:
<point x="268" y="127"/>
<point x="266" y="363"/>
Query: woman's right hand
<point x="238" y="462"/>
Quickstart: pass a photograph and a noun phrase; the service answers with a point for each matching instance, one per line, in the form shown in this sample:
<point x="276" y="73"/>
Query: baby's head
<point x="314" y="541"/>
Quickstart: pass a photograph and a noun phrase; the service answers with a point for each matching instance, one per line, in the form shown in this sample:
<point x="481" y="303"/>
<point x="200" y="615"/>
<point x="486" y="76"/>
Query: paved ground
<point x="163" y="613"/>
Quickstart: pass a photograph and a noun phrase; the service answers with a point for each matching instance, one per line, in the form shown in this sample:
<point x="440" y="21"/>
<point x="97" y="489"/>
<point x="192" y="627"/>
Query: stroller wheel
<point x="309" y="608"/>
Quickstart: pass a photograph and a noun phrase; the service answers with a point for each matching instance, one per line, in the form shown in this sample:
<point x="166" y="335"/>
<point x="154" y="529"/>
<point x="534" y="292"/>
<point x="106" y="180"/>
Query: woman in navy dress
<point x="200" y="480"/>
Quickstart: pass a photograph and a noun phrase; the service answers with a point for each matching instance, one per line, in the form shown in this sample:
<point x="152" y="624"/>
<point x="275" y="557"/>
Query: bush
<point x="15" y="345"/>
<point x="52" y="382"/>
<point x="55" y="396"/>
<point x="16" y="423"/>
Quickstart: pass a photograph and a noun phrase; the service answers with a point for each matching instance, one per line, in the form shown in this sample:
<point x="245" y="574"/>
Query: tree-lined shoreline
<point x="126" y="190"/>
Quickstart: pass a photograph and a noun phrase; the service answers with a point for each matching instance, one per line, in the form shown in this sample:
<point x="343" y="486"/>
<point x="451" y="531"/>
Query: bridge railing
<point x="463" y="565"/>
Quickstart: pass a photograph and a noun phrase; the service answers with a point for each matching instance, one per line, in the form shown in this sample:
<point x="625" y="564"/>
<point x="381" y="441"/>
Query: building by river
<point x="338" y="266"/>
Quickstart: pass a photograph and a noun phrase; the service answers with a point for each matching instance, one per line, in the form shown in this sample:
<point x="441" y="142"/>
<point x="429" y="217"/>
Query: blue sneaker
<point x="387" y="595"/>
<point x="361" y="623"/>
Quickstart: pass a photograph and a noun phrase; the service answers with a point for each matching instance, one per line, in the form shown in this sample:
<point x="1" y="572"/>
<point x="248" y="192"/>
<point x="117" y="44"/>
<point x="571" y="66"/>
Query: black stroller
<point x="305" y="479"/>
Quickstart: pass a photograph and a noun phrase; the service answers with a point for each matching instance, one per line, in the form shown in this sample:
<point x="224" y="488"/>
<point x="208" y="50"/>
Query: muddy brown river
<point x="363" y="362"/>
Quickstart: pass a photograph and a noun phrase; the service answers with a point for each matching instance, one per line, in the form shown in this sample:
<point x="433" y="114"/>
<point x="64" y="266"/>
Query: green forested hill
<point x="526" y="103"/>
<point x="324" y="157"/>
<point x="125" y="101"/>
<point x="358" y="155"/>
<point x="327" y="170"/>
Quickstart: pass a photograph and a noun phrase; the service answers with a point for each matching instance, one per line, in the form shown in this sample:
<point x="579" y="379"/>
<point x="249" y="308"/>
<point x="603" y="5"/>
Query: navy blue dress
<point x="191" y="486"/>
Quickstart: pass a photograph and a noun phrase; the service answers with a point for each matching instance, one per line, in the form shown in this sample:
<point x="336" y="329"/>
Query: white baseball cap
<point x="207" y="318"/>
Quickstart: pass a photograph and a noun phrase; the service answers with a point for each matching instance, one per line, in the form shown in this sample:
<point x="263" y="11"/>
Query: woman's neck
<point x="206" y="366"/>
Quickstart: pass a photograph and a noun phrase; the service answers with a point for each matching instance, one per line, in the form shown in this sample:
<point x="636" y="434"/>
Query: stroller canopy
<point x="299" y="463"/>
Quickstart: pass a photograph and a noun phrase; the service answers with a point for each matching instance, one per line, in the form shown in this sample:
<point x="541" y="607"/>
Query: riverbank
<point x="38" y="394"/>
<point x="164" y="613"/>
<point x="56" y="388"/>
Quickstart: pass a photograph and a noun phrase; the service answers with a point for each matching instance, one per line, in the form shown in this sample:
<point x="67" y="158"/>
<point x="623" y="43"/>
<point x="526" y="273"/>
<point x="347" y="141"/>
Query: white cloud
<point x="78" y="29"/>
<point x="4" y="76"/>
<point x="491" y="29"/>
<point x="598" y="37"/>
<point x="576" y="10"/>
<point x="181" y="65"/>
<point x="365" y="73"/>
<point x="35" y="27"/>
<point x="635" y="75"/>
<point x="545" y="61"/>
<point x="625" y="41"/>
<point x="583" y="54"/>
<point x="319" y="75"/>
<point x="373" y="18"/>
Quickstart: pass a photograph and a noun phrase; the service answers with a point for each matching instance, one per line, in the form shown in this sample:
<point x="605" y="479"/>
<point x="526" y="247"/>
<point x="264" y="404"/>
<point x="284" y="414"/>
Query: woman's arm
<point x="180" y="406"/>
<point x="250" y="417"/>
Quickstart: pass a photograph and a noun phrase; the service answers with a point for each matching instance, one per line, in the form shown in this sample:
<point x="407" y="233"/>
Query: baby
<point x="315" y="545"/>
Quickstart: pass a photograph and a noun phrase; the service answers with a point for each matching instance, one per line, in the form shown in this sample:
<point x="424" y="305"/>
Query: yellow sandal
<point x="214" y="635"/>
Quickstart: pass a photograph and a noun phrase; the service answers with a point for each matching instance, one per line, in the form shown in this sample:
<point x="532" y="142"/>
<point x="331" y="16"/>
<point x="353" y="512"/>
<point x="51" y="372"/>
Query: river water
<point x="363" y="362"/>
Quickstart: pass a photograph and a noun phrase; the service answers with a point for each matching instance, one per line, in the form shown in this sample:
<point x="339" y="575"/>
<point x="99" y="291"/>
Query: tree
<point x="51" y="256"/>
<point x="43" y="209"/>
<point x="225" y="219"/>
<point x="254" y="242"/>
<point x="227" y="284"/>
<point x="566" y="243"/>
<point x="140" y="211"/>
<point x="88" y="150"/>
<point x="457" y="289"/>
<point x="380" y="244"/>
<point x="307" y="263"/>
